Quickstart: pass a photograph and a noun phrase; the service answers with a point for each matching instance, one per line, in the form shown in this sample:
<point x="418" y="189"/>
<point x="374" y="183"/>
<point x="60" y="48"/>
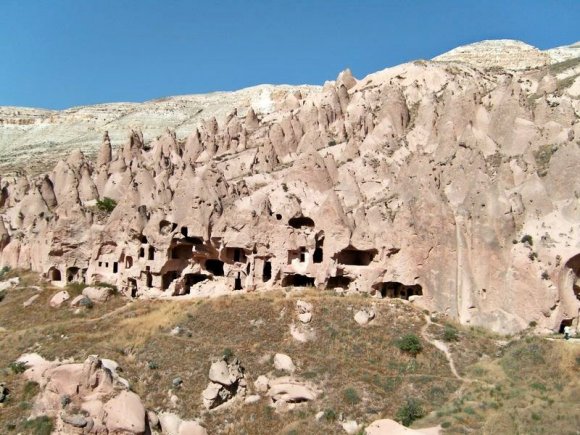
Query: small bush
<point x="228" y="353"/>
<point x="17" y="367"/>
<point x="351" y="396"/>
<point x="40" y="425"/>
<point x="4" y="271"/>
<point x="106" y="204"/>
<point x="2" y="296"/>
<point x="152" y="365"/>
<point x="450" y="333"/>
<point x="527" y="239"/>
<point x="410" y="412"/>
<point x="329" y="415"/>
<point x="410" y="343"/>
<point x="31" y="389"/>
<point x="536" y="417"/>
<point x="446" y="424"/>
<point x="545" y="275"/>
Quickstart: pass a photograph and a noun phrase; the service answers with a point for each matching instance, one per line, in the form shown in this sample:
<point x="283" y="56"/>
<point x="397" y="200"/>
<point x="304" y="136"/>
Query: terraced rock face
<point x="452" y="186"/>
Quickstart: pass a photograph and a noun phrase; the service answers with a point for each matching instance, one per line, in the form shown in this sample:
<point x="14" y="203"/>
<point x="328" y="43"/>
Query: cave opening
<point x="215" y="267"/>
<point x="338" y="282"/>
<point x="355" y="257"/>
<point x="267" y="271"/>
<point x="300" y="222"/>
<point x="297" y="280"/>
<point x="393" y="289"/>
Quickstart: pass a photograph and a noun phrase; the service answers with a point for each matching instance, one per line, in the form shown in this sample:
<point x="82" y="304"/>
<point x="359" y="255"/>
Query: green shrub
<point x="446" y="424"/>
<point x="329" y="415"/>
<point x="17" y="367"/>
<point x="2" y="295"/>
<point x="410" y="412"/>
<point x="40" y="425"/>
<point x="410" y="343"/>
<point x="351" y="396"/>
<point x="31" y="389"/>
<point x="4" y="271"/>
<point x="450" y="333"/>
<point x="106" y="204"/>
<point x="527" y="239"/>
<point x="228" y="353"/>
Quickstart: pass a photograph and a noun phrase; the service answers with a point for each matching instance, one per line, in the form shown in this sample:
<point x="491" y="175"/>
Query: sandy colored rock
<point x="284" y="362"/>
<point x="59" y="298"/>
<point x="98" y="294"/>
<point x="391" y="427"/>
<point x="358" y="187"/>
<point x="362" y="317"/>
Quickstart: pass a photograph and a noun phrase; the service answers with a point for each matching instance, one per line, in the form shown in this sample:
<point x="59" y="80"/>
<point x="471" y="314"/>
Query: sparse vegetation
<point x="410" y="343"/>
<point x="527" y="239"/>
<point x="106" y="204"/>
<point x="542" y="157"/>
<point x="410" y="412"/>
<point x="351" y="396"/>
<point x="17" y="367"/>
<point x="450" y="333"/>
<point x="39" y="426"/>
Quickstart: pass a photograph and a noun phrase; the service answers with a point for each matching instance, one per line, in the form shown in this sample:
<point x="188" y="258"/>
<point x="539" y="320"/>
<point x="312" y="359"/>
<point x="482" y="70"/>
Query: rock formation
<point x="448" y="184"/>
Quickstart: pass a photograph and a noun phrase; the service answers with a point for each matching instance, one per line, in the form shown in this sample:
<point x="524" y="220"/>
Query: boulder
<point x="59" y="298"/>
<point x="98" y="294"/>
<point x="284" y="362"/>
<point x="28" y="302"/>
<point x="364" y="316"/>
<point x="261" y="384"/>
<point x="391" y="427"/>
<point x="350" y="426"/>
<point x="80" y="300"/>
<point x="220" y="373"/>
<point x="125" y="412"/>
<point x="289" y="390"/>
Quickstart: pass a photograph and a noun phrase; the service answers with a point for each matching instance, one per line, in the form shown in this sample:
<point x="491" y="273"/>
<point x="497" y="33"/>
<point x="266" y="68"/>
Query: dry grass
<point x="360" y="371"/>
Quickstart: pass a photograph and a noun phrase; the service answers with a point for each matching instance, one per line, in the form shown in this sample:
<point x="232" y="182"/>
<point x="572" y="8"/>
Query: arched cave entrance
<point x="54" y="274"/>
<point x="191" y="279"/>
<point x="338" y="282"/>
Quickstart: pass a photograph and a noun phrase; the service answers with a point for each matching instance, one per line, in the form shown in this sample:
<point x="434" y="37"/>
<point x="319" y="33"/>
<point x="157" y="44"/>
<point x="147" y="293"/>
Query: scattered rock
<point x="76" y="420"/>
<point x="304" y="310"/>
<point x="9" y="283"/>
<point x="261" y="384"/>
<point x="284" y="362"/>
<point x="227" y="381"/>
<point x="364" y="316"/>
<point x="28" y="302"/>
<point x="98" y="294"/>
<point x="391" y="427"/>
<point x="59" y="298"/>
<point x="176" y="382"/>
<point x="350" y="427"/>
<point x="290" y="390"/>
<point x="252" y="399"/>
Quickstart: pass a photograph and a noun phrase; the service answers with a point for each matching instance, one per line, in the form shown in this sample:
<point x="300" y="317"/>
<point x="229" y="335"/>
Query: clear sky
<point x="63" y="53"/>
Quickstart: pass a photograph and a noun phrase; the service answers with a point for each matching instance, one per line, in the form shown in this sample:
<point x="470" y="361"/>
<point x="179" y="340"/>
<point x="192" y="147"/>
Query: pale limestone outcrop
<point x="93" y="387"/>
<point x="360" y="186"/>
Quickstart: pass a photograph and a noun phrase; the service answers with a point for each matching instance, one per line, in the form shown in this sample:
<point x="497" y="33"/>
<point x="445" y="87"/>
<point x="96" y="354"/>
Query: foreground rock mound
<point x="85" y="398"/>
<point x="227" y="382"/>
<point x="359" y="186"/>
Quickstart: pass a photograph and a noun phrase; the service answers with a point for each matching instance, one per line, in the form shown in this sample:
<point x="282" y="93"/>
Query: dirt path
<point x="443" y="348"/>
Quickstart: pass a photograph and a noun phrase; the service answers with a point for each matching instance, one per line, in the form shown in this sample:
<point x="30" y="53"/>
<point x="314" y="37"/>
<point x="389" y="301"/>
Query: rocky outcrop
<point x="227" y="382"/>
<point x="359" y="186"/>
<point x="90" y="397"/>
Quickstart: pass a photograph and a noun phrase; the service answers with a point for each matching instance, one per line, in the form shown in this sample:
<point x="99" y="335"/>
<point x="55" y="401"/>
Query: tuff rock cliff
<point x="446" y="183"/>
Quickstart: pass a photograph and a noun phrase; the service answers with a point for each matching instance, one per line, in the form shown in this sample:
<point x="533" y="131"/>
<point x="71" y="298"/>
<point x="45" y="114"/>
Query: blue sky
<point x="63" y="53"/>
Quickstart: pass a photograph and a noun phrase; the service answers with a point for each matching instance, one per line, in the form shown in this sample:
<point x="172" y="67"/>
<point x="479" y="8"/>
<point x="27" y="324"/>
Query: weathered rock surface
<point x="98" y="294"/>
<point x="391" y="427"/>
<point x="362" y="317"/>
<point x="93" y="387"/>
<point x="227" y="381"/>
<point x="59" y="298"/>
<point x="284" y="362"/>
<point x="358" y="186"/>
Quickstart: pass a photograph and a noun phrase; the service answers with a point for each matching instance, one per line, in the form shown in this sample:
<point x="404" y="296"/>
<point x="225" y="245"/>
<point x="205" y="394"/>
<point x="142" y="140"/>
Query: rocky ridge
<point x="443" y="183"/>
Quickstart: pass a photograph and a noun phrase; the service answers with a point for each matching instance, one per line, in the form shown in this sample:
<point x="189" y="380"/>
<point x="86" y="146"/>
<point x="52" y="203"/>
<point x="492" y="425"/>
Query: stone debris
<point x="227" y="381"/>
<point x="59" y="298"/>
<point x="391" y="427"/>
<point x="304" y="311"/>
<point x="364" y="316"/>
<point x="284" y="362"/>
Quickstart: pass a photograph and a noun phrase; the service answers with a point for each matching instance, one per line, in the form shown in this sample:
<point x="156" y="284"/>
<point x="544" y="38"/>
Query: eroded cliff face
<point x="452" y="186"/>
